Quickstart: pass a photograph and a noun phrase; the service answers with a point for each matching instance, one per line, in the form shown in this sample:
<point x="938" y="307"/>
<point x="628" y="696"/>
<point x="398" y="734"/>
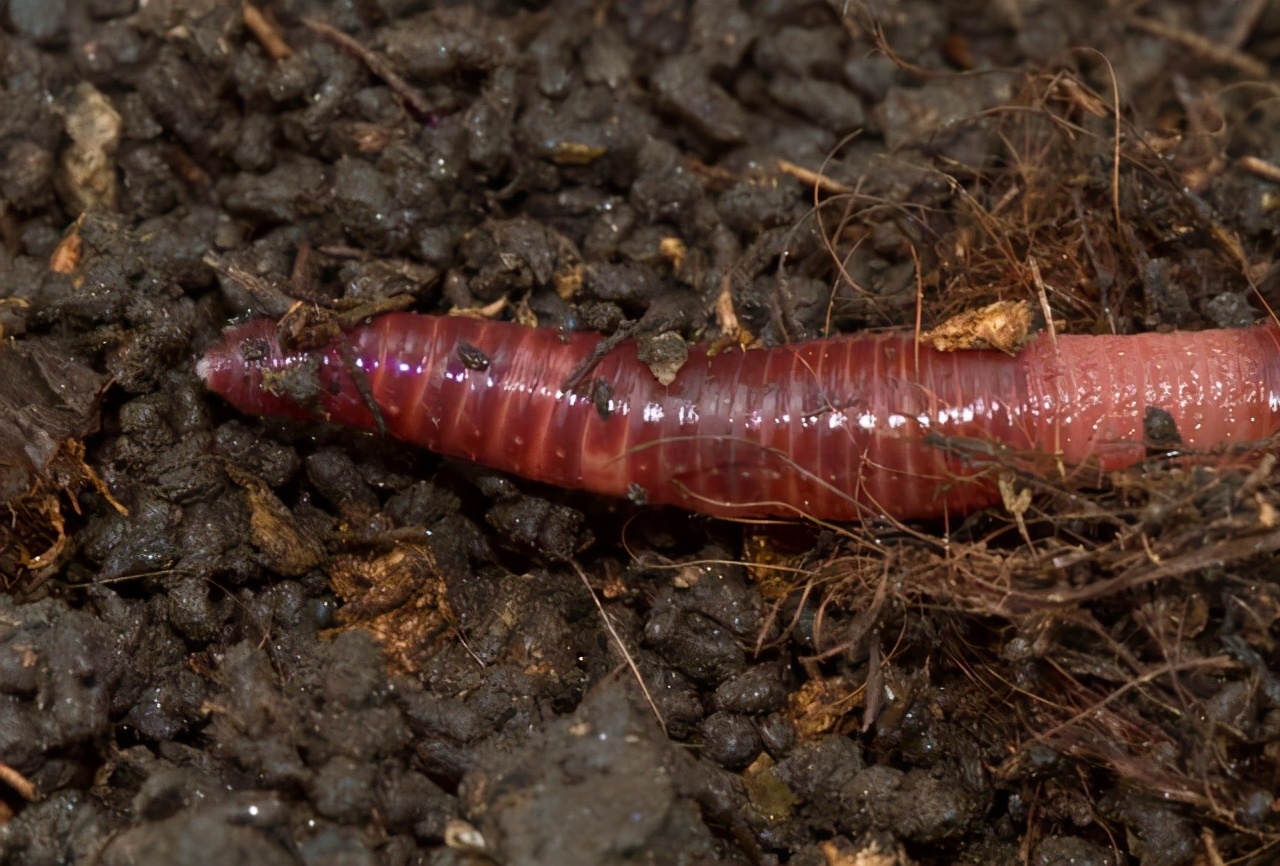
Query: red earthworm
<point x="838" y="428"/>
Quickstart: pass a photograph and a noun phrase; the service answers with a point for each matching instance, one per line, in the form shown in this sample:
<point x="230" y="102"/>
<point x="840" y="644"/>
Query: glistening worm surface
<point x="838" y="428"/>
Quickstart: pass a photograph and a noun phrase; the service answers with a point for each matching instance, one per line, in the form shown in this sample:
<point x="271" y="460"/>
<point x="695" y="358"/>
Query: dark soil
<point x="230" y="640"/>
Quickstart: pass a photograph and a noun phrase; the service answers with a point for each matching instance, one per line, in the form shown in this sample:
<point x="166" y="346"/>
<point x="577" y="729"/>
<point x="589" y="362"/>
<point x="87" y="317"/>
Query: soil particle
<point x="37" y="20"/>
<point x="511" y="258"/>
<point x="1161" y="836"/>
<point x="273" y="462"/>
<point x="67" y="827"/>
<point x="26" y="175"/>
<point x="1229" y="310"/>
<point x="942" y="116"/>
<point x="698" y="630"/>
<point x="819" y="771"/>
<point x="664" y="190"/>
<point x="195" y="611"/>
<point x="753" y="205"/>
<point x="722" y="32"/>
<point x="678" y="698"/>
<point x="1167" y="300"/>
<point x="801" y="51"/>
<point x="730" y="739"/>
<point x="777" y="734"/>
<point x="363" y="195"/>
<point x="447" y="41"/>
<point x="829" y="776"/>
<point x="135" y="544"/>
<point x="827" y="103"/>
<point x="285" y="194"/>
<point x="338" y="479"/>
<point x="60" y="670"/>
<point x="759" y="689"/>
<point x="537" y="525"/>
<point x="933" y="807"/>
<point x="1071" y="851"/>
<point x="586" y="792"/>
<point x="236" y="828"/>
<point x="346" y="705"/>
<point x="683" y="89"/>
<point x="184" y="102"/>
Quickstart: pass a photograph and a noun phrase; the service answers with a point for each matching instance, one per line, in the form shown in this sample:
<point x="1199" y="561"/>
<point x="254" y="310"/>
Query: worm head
<point x="251" y="371"/>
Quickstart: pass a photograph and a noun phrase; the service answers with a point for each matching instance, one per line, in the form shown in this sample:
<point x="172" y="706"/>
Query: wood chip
<point x="377" y="64"/>
<point x="1004" y="326"/>
<point x="266" y="32"/>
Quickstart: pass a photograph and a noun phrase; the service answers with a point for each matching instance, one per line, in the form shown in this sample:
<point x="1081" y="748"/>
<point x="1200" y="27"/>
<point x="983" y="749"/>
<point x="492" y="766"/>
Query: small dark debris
<point x="1159" y="430"/>
<point x="540" y="526"/>
<point x="664" y="353"/>
<point x="472" y="357"/>
<point x="602" y="398"/>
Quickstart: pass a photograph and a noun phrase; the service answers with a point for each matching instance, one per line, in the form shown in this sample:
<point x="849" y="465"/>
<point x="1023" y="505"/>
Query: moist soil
<point x="227" y="639"/>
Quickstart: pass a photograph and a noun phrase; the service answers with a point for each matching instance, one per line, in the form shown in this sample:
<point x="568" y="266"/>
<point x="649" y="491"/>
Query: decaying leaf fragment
<point x="1004" y="326"/>
<point x="398" y="597"/>
<point x="577" y="153"/>
<point x="48" y="402"/>
<point x="822" y="706"/>
<point x="868" y="851"/>
<point x="769" y="794"/>
<point x="88" y="176"/>
<point x="65" y="258"/>
<point x="774" y="571"/>
<point x="287" y="547"/>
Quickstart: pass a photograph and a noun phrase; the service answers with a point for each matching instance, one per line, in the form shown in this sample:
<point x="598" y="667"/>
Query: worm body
<point x="840" y="428"/>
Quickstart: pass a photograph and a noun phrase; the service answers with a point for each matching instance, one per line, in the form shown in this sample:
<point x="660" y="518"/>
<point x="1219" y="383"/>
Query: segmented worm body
<point x="840" y="428"/>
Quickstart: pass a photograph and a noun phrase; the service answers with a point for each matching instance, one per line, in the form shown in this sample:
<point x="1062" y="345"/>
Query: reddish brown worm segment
<point x="840" y="428"/>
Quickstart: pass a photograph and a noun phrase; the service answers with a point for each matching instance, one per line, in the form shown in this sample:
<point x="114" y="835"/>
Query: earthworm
<point x="841" y="428"/>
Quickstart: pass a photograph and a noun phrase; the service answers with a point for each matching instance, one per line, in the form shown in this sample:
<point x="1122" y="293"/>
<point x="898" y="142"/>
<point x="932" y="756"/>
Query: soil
<point x="226" y="639"/>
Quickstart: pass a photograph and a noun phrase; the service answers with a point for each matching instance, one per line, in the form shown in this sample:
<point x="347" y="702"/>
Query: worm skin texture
<point x="841" y="429"/>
